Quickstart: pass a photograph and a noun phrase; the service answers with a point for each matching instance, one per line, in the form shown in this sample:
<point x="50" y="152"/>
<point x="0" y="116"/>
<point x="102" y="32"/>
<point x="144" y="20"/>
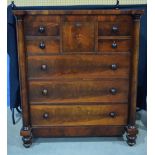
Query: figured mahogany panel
<point x="76" y="115"/>
<point x="78" y="36"/>
<point x="79" y="66"/>
<point x="78" y="91"/>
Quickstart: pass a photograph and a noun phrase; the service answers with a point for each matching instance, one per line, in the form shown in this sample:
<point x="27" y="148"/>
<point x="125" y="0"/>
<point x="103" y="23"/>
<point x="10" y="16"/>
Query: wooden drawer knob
<point x="45" y="92"/>
<point x="78" y="24"/>
<point x="114" y="66"/>
<point x="112" y="114"/>
<point x="115" y="29"/>
<point x="41" y="29"/>
<point x="42" y="45"/>
<point x="113" y="91"/>
<point x="114" y="45"/>
<point x="44" y="67"/>
<point x="45" y="115"/>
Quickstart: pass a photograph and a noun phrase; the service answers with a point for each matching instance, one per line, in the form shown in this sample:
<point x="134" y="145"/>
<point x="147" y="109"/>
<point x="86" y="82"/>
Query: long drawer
<point x="82" y="91"/>
<point x="79" y="66"/>
<point x="75" y="115"/>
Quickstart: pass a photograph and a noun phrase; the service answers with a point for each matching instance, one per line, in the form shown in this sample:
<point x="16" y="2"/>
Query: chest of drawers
<point x="78" y="72"/>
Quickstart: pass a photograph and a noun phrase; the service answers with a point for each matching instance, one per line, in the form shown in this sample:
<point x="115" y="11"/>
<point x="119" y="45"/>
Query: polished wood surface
<point x="79" y="91"/>
<point x="49" y="29"/>
<point x="75" y="115"/>
<point x="79" y="66"/>
<point x="78" y="37"/>
<point x="78" y="72"/>
<point x="51" y="45"/>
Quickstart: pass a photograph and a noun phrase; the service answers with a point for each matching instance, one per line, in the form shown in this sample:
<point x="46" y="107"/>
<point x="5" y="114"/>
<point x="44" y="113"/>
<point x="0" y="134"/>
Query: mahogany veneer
<point x="78" y="72"/>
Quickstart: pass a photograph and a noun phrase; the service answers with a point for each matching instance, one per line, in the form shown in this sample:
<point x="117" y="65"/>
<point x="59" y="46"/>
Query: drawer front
<point x="42" y="45"/>
<point x="78" y="37"/>
<point x="42" y="29"/>
<point x="41" y="18"/>
<point x="114" y="45"/>
<point x="78" y="91"/>
<point x="78" y="115"/>
<point x="79" y="66"/>
<point x="114" y="18"/>
<point x="114" y="29"/>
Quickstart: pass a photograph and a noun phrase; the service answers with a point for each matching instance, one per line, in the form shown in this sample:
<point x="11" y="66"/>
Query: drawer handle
<point x="41" y="29"/>
<point x="113" y="91"/>
<point x="45" y="92"/>
<point x="114" y="66"/>
<point x="114" y="45"/>
<point x="78" y="24"/>
<point x="112" y="114"/>
<point x="115" y="29"/>
<point x="44" y="67"/>
<point x="42" y="45"/>
<point x="45" y="115"/>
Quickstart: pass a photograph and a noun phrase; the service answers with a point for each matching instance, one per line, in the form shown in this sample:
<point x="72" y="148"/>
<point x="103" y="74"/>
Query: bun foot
<point x="26" y="136"/>
<point x="27" y="141"/>
<point x="131" y="136"/>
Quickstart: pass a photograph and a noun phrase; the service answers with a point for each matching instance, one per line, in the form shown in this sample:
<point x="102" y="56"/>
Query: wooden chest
<point x="78" y="72"/>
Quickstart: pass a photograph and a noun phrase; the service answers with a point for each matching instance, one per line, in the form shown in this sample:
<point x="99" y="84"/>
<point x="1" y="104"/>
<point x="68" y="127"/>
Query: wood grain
<point x="78" y="37"/>
<point x="105" y="28"/>
<point x="105" y="45"/>
<point x="78" y="91"/>
<point x="78" y="115"/>
<point x="76" y="131"/>
<point x="78" y="66"/>
<point x="52" y="45"/>
<point x="51" y="29"/>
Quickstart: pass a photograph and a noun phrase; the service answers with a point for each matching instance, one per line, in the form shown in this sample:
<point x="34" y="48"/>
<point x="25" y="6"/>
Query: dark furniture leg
<point x="131" y="136"/>
<point x="27" y="136"/>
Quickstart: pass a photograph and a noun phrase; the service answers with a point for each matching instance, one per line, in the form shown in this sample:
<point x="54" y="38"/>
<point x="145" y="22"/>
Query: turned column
<point x="131" y="128"/>
<point x="26" y="130"/>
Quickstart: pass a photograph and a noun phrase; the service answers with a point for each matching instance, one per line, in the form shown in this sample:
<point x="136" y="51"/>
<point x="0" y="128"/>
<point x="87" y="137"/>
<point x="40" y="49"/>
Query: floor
<point x="77" y="146"/>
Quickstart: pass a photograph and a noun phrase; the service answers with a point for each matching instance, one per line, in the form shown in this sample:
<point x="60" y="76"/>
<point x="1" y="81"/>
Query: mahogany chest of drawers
<point x="78" y="72"/>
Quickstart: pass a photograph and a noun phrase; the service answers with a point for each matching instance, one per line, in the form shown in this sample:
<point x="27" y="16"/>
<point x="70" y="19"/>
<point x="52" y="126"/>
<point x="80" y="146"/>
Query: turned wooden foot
<point x="27" y="136"/>
<point x="27" y="141"/>
<point x="131" y="135"/>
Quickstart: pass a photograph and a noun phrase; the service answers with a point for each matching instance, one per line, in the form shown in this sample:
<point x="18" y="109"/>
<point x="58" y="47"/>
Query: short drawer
<point x="81" y="91"/>
<point x="42" y="29"/>
<point x="75" y="115"/>
<point x="114" y="45"/>
<point x="114" y="28"/>
<point x="42" y="45"/>
<point x="79" y="66"/>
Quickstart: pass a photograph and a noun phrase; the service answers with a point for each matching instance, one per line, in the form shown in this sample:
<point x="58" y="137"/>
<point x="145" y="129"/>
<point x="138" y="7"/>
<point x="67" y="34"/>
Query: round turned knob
<point x="114" y="66"/>
<point x="114" y="28"/>
<point x="44" y="92"/>
<point x="45" y="115"/>
<point x="41" y="29"/>
<point x="42" y="45"/>
<point x="112" y="114"/>
<point x="78" y="24"/>
<point x="113" y="91"/>
<point x="44" y="67"/>
<point x="114" y="45"/>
